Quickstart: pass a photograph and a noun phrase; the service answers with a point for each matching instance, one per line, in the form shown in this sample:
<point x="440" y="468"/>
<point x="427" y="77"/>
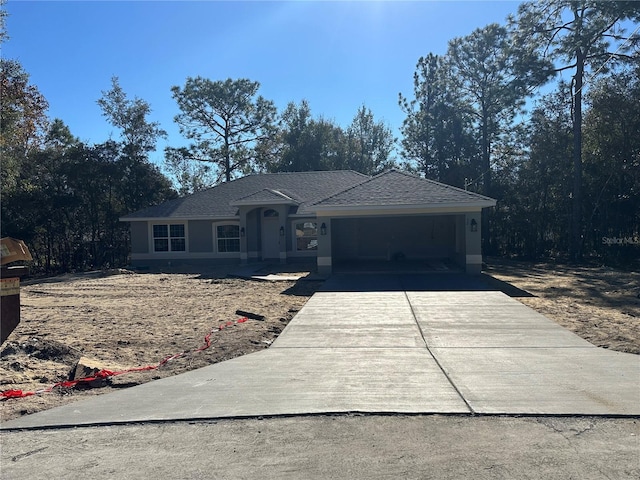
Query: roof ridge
<point x="369" y="179"/>
<point x="258" y="174"/>
<point x="345" y="190"/>
<point x="435" y="182"/>
<point x="306" y="172"/>
<point x="279" y="193"/>
<point x="458" y="189"/>
<point x="249" y="195"/>
<point x="364" y="187"/>
<point x="271" y="193"/>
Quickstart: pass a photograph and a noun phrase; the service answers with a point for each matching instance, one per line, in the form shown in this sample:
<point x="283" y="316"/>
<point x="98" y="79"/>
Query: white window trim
<point x="215" y="239"/>
<point x="152" y="246"/>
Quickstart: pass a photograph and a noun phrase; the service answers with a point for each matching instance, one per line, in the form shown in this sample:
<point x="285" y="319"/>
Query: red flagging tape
<point x="108" y="373"/>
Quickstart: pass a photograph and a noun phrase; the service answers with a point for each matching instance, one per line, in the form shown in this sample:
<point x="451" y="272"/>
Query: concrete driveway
<point x="389" y="344"/>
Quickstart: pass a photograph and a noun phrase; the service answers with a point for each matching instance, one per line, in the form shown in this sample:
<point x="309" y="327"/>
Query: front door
<point x="270" y="234"/>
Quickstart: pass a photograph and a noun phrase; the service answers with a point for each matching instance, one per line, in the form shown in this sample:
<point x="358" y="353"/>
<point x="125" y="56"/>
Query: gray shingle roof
<point x="263" y="196"/>
<point x="395" y="188"/>
<point x="303" y="187"/>
<point x="312" y="191"/>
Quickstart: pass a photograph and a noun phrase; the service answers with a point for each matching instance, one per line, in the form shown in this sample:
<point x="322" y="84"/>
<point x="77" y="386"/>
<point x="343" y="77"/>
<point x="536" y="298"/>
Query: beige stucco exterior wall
<point x="139" y="237"/>
<point x="473" y="244"/>
<point x="324" y="260"/>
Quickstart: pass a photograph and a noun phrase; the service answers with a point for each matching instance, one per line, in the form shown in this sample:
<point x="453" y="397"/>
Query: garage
<point x="362" y="241"/>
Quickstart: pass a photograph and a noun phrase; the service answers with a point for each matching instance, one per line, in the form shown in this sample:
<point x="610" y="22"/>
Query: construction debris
<point x="252" y="316"/>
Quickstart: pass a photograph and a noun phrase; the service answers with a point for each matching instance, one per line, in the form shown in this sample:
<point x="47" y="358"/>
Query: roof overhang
<point x="178" y="219"/>
<point x="426" y="209"/>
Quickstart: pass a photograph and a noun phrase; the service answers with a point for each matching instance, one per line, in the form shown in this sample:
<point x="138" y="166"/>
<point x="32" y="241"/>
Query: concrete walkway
<point x="391" y="344"/>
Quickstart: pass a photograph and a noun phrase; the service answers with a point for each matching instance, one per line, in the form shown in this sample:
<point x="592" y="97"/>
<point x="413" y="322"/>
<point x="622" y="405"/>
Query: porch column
<point x="461" y="226"/>
<point x="244" y="257"/>
<point x="283" y="233"/>
<point x="324" y="246"/>
<point x="473" y="243"/>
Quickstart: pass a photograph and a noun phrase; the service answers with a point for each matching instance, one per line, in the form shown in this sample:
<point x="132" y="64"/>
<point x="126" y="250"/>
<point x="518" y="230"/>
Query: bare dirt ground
<point x="125" y="320"/>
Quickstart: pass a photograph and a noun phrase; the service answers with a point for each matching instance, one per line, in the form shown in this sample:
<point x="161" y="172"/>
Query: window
<point x="271" y="213"/>
<point x="306" y="236"/>
<point x="169" y="238"/>
<point x="228" y="238"/>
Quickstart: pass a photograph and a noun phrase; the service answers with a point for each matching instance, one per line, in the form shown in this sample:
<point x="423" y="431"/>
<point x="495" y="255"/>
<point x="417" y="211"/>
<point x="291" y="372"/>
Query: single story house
<point x="330" y="217"/>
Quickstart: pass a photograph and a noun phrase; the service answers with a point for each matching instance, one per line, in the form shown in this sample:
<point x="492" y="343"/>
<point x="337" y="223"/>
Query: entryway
<point x="270" y="234"/>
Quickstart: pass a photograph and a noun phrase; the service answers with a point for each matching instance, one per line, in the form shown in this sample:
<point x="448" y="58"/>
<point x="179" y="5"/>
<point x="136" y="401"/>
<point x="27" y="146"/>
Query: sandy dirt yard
<point x="126" y="320"/>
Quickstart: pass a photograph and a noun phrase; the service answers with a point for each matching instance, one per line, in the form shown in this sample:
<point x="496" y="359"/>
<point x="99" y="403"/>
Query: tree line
<point x="564" y="166"/>
<point x="64" y="197"/>
<point x="234" y="131"/>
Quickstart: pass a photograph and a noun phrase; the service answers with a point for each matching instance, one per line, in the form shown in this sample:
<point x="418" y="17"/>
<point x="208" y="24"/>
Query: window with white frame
<point x="169" y="238"/>
<point x="228" y="238"/>
<point x="306" y="236"/>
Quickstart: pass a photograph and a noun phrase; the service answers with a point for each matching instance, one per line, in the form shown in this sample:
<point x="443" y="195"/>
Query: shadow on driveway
<point x="415" y="282"/>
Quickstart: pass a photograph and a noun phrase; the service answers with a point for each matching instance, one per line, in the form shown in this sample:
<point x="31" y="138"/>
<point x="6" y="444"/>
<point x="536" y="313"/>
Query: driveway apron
<point x="389" y="344"/>
<point x="504" y="357"/>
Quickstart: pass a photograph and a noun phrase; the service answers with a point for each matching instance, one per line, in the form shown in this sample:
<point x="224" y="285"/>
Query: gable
<point x="398" y="189"/>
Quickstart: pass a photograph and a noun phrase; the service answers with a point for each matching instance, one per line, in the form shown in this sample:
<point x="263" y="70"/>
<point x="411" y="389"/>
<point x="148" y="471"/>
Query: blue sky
<point x="337" y="55"/>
